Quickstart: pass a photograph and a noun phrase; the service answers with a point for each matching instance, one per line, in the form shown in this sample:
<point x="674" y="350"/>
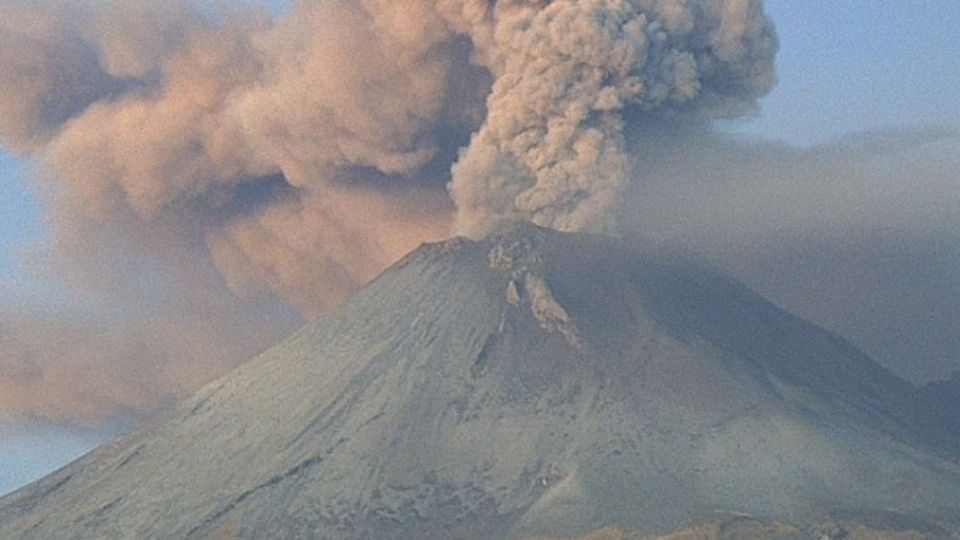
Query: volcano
<point x="531" y="383"/>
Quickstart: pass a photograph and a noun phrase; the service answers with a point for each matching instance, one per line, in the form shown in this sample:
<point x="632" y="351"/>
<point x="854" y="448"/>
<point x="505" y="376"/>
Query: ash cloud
<point x="299" y="154"/>
<point x="129" y="332"/>
<point x="82" y="369"/>
<point x="552" y="149"/>
<point x="858" y="234"/>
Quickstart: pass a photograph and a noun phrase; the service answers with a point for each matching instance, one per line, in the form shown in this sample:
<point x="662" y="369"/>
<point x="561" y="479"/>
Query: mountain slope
<point x="531" y="383"/>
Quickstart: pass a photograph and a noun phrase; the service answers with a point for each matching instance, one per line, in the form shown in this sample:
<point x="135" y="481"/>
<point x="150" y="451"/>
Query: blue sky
<point x="844" y="66"/>
<point x="20" y="218"/>
<point x="858" y="65"/>
<point x="27" y="455"/>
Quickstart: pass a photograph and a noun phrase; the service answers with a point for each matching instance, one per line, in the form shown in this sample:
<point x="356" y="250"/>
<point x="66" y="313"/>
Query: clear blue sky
<point x="844" y="66"/>
<point x="20" y="218"/>
<point x="855" y="65"/>
<point x="26" y="455"/>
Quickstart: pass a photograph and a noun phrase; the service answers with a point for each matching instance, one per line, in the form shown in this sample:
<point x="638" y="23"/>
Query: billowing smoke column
<point x="301" y="153"/>
<point x="551" y="149"/>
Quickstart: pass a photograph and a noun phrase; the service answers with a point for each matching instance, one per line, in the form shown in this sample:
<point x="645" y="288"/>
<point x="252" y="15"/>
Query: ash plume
<point x="552" y="148"/>
<point x="300" y="153"/>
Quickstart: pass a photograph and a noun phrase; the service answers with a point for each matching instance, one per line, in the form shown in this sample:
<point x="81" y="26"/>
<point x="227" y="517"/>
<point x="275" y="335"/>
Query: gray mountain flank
<point x="532" y="383"/>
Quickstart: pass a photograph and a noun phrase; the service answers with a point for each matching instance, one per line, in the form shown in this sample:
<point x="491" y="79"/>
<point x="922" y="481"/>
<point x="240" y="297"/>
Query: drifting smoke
<point x="300" y="147"/>
<point x="300" y="154"/>
<point x="858" y="235"/>
<point x="82" y="370"/>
